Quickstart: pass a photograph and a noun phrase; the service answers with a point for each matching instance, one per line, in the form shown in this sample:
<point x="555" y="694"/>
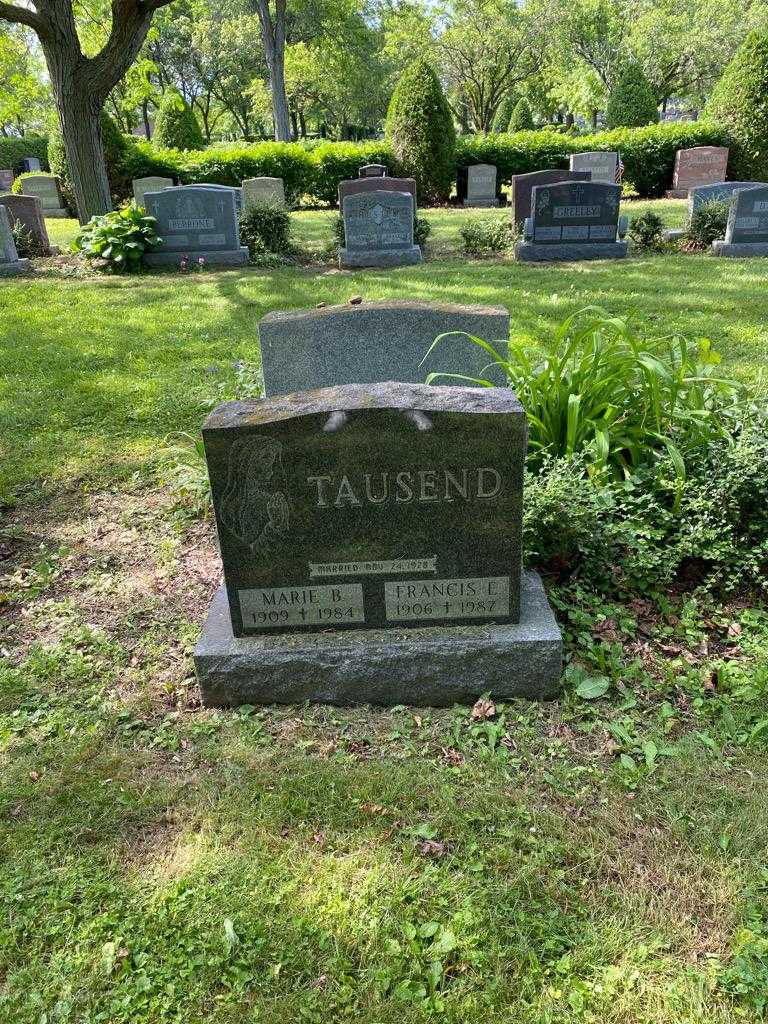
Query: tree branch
<point x="22" y="16"/>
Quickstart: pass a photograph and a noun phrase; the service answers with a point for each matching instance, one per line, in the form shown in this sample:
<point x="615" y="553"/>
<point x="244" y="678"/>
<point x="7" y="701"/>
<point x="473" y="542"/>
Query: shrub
<point x="645" y="231"/>
<point x="738" y="105"/>
<point x="623" y="400"/>
<point x="420" y="129"/>
<point x="631" y="103"/>
<point x="332" y="162"/>
<point x="487" y="235"/>
<point x="521" y="119"/>
<point x="504" y="113"/>
<point x="708" y="223"/>
<point x="176" y="126"/>
<point x="266" y="229"/>
<point x="115" y="242"/>
<point x="13" y="150"/>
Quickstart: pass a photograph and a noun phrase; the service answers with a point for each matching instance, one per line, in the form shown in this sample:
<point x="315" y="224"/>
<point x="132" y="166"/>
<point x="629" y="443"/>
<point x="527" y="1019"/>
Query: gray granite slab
<point x="378" y="230"/>
<point x="377" y="341"/>
<point x="523" y="185"/>
<point x="47" y="189"/>
<point x="737" y="250"/>
<point x="572" y="220"/>
<point x="373" y="171"/>
<point x="719" y="192"/>
<point x="28" y="211"/>
<point x="153" y="183"/>
<point x="264" y="191"/>
<point x="602" y="165"/>
<point x="195" y="221"/>
<point x="10" y="264"/>
<point x="437" y="666"/>
<point x="363" y="186"/>
<point x="481" y="186"/>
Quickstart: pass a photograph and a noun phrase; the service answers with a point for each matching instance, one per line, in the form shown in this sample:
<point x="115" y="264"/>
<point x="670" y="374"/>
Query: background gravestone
<point x="153" y="183"/>
<point x="7" y="178"/>
<point x="371" y="543"/>
<point x="9" y="258"/>
<point x="378" y="230"/>
<point x="574" y="220"/>
<point x="523" y="184"/>
<point x="372" y="171"/>
<point x="45" y="187"/>
<point x="747" y="230"/>
<point x="264" y="192"/>
<point x="363" y="186"/>
<point x="481" y="186"/>
<point x="700" y="165"/>
<point x="372" y="342"/>
<point x="30" y="163"/>
<point x="28" y="212"/>
<point x="719" y="192"/>
<point x="603" y="166"/>
<point x="195" y="221"/>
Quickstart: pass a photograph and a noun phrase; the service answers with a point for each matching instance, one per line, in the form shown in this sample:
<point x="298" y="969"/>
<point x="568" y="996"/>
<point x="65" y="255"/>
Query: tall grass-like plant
<point x="623" y="399"/>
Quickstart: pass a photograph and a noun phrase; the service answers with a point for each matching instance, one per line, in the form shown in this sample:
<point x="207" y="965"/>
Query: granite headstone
<point x="46" y="188"/>
<point x="7" y="178"/>
<point x="363" y="186"/>
<point x="372" y="171"/>
<point x="574" y="220"/>
<point x="302" y="349"/>
<point x="603" y="166"/>
<point x="523" y="185"/>
<point x="10" y="263"/>
<point x="195" y="221"/>
<point x="153" y="183"/>
<point x="747" y="230"/>
<point x="718" y="192"/>
<point x="700" y="165"/>
<point x="30" y="163"/>
<point x="264" y="192"/>
<point x="481" y="186"/>
<point x="371" y="542"/>
<point x="28" y="212"/>
<point x="378" y="230"/>
<point x="237" y="193"/>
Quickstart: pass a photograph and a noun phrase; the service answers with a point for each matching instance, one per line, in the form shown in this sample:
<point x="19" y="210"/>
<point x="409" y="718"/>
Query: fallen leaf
<point x="483" y="708"/>
<point x="432" y="848"/>
<point x="734" y="629"/>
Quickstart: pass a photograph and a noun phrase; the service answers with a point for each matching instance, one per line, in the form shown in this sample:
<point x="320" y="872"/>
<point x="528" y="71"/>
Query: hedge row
<point x="13" y="151"/>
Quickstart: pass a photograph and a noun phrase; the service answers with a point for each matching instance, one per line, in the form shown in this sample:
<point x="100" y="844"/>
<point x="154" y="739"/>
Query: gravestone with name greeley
<point x="747" y="230"/>
<point x="481" y="186"/>
<point x="574" y="221"/>
<point x="371" y="543"/>
<point x="700" y="165"/>
<point x="603" y="166"/>
<point x="378" y="230"/>
<point x="195" y="221"/>
<point x="10" y="263"/>
<point x="46" y="188"/>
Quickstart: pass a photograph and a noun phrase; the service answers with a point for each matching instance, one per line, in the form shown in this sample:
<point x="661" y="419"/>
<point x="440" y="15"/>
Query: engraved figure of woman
<point x="255" y="513"/>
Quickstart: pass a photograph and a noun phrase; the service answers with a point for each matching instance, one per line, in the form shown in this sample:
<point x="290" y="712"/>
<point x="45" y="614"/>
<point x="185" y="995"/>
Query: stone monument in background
<point x="747" y="230"/>
<point x="10" y="263"/>
<point x="264" y="192"/>
<point x="603" y="167"/>
<point x="481" y="186"/>
<point x="378" y="230"/>
<point x="47" y="189"/>
<point x="196" y="221"/>
<point x="700" y="165"/>
<point x="153" y="183"/>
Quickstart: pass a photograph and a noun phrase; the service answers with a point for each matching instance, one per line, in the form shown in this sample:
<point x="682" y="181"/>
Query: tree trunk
<point x="273" y="37"/>
<point x="302" y="124"/>
<point x="294" y="124"/>
<point x="145" y="119"/>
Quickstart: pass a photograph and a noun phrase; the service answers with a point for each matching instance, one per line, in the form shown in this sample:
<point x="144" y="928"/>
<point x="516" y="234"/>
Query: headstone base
<point x="734" y="250"/>
<point x="676" y="193"/>
<point x="430" y="666"/>
<point x="531" y="252"/>
<point x="380" y="257"/>
<point x="15" y="267"/>
<point x="224" y="258"/>
<point x="481" y="203"/>
<point x="673" y="234"/>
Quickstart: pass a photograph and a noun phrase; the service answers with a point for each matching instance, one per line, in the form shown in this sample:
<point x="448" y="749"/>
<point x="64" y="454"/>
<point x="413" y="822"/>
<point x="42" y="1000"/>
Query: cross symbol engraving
<point x="377" y="214"/>
<point x="578" y="194"/>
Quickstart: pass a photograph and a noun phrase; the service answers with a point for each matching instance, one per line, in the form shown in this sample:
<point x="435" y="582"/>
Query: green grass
<point x="565" y="863"/>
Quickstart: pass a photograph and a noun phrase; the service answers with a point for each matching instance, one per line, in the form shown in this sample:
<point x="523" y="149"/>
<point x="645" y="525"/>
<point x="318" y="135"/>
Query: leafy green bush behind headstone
<point x="266" y="230"/>
<point x="521" y="119"/>
<point x="708" y="223"/>
<point x="631" y="103"/>
<point x="421" y="131"/>
<point x="176" y="126"/>
<point x="738" y="103"/>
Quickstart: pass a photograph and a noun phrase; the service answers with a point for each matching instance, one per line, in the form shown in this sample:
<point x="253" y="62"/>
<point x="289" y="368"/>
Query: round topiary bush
<point x="421" y="131"/>
<point x="738" y="104"/>
<point x="522" y="117"/>
<point x="504" y="113"/>
<point x="176" y="126"/>
<point x="631" y="103"/>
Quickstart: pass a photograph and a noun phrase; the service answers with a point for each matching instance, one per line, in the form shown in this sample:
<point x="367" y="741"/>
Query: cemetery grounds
<point x="599" y="858"/>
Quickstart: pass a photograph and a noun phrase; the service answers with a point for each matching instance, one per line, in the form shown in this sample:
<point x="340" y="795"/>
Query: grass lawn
<point x="571" y="862"/>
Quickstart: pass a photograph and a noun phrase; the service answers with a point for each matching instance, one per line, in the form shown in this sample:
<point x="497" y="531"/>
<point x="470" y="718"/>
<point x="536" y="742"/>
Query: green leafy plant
<point x="176" y="126"/>
<point x="185" y="471"/>
<point x="645" y="232"/>
<point x="487" y="235"/>
<point x="708" y="223"/>
<point x="117" y="241"/>
<point x="521" y="119"/>
<point x="420" y="130"/>
<point x="266" y="230"/>
<point x="600" y="387"/>
<point x="631" y="103"/>
<point x="738" y="105"/>
<point x="28" y="244"/>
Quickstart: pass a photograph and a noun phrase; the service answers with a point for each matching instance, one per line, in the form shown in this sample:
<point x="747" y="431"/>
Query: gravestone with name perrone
<point x="523" y="185"/>
<point x="747" y="230"/>
<point x="7" y="178"/>
<point x="153" y="183"/>
<point x="363" y="186"/>
<point x="604" y="167"/>
<point x="46" y="188"/>
<point x="303" y="349"/>
<point x="372" y="171"/>
<point x="700" y="165"/>
<point x="198" y="222"/>
<point x="371" y="542"/>
<point x="30" y="163"/>
<point x="481" y="186"/>
<point x="378" y="230"/>
<point x="574" y="220"/>
<point x="28" y="212"/>
<point x="264" y="192"/>
<point x="10" y="263"/>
